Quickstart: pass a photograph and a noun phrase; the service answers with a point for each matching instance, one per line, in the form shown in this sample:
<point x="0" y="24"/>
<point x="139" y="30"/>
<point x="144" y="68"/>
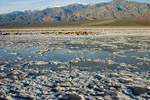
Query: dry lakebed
<point x="74" y="64"/>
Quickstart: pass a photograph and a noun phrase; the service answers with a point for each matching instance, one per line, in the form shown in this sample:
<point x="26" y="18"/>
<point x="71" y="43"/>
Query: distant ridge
<point x="114" y="11"/>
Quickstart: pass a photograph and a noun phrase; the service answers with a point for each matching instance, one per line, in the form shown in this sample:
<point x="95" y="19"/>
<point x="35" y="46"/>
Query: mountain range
<point x="116" y="12"/>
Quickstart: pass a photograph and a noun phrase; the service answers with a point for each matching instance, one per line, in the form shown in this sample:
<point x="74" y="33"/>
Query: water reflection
<point x="66" y="58"/>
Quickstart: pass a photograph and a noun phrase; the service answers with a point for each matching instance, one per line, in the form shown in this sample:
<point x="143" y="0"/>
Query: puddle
<point x="51" y="65"/>
<point x="85" y="59"/>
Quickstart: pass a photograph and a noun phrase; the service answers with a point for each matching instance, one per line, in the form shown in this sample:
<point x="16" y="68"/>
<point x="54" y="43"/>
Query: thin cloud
<point x="26" y="2"/>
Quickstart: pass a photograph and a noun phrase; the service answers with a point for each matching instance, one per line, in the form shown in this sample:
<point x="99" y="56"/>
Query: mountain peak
<point x="118" y="0"/>
<point x="117" y="9"/>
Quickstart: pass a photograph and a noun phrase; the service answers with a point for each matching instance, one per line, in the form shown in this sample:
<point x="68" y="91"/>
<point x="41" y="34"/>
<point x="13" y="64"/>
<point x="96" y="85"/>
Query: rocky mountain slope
<point x="117" y="9"/>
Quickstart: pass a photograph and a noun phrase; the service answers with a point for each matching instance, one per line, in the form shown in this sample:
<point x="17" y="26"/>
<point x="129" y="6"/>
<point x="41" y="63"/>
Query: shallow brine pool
<point x="91" y="53"/>
<point x="63" y="67"/>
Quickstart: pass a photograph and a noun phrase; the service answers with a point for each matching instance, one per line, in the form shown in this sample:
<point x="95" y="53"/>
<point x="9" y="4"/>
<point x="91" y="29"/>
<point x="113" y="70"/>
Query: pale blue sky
<point x="16" y="5"/>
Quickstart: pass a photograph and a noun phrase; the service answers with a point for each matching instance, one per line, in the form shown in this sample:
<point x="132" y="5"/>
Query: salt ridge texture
<point x="103" y="66"/>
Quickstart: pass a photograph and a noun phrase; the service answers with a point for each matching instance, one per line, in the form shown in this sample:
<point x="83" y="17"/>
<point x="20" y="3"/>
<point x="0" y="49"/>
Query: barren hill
<point x="117" y="10"/>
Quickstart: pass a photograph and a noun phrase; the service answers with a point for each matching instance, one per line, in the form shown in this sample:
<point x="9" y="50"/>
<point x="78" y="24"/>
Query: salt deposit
<point x="74" y="64"/>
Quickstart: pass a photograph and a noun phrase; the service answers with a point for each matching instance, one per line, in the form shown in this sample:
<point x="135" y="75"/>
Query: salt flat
<point x="74" y="63"/>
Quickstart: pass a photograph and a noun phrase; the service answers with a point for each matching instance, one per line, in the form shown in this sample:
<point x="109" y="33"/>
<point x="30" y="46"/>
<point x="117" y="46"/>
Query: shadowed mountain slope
<point x="117" y="10"/>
